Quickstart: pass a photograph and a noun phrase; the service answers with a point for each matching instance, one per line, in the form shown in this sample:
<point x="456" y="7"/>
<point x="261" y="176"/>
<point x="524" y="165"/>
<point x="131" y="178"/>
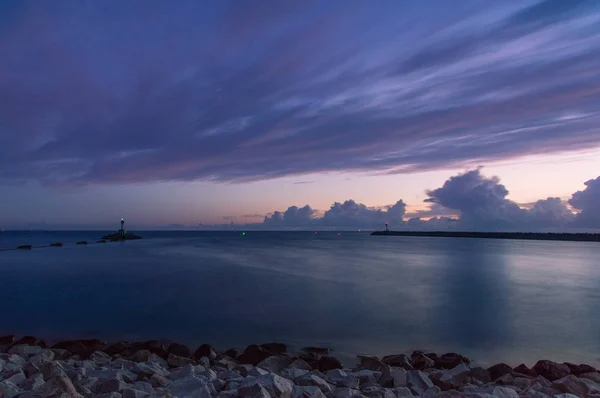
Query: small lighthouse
<point x="386" y="227"/>
<point x="122" y="230"/>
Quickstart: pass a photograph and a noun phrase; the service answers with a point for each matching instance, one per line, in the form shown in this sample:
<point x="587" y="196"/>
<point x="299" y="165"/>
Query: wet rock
<point x="292" y="373"/>
<point x="504" y="392"/>
<point x="205" y="350"/>
<point x="16" y="377"/>
<point x="27" y="340"/>
<point x="507" y="379"/>
<point x="233" y="353"/>
<point x="591" y="376"/>
<point x="158" y="381"/>
<point x="402" y="392"/>
<point x="33" y="382"/>
<point x="571" y="384"/>
<point x="154" y="346"/>
<point x="399" y="360"/>
<point x="371" y="363"/>
<point x="132" y="393"/>
<point x="25" y="351"/>
<point x="340" y="378"/>
<point x="193" y="386"/>
<point x="451" y="379"/>
<point x="327" y="363"/>
<point x="60" y="354"/>
<point x="431" y="392"/>
<point x="551" y="370"/>
<point x="344" y="392"/>
<point x="254" y="354"/>
<point x="421" y="361"/>
<point x="499" y="370"/>
<point x="44" y="356"/>
<point x="108" y="386"/>
<point x="276" y="385"/>
<point x="60" y="385"/>
<point x="51" y="370"/>
<point x="257" y="372"/>
<point x="275" y="364"/>
<point x="7" y="340"/>
<point x="366" y="376"/>
<point x="313" y="380"/>
<point x="100" y="358"/>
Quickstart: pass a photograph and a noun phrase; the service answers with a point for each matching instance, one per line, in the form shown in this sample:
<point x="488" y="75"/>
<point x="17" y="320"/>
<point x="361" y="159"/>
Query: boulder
<point x="340" y="378"/>
<point x="154" y="346"/>
<point x="327" y="363"/>
<point x="182" y="372"/>
<point x="307" y="392"/>
<point x="205" y="350"/>
<point x="344" y="392"/>
<point x="591" y="376"/>
<point x="451" y="360"/>
<point x="52" y="369"/>
<point x="276" y="385"/>
<point x="316" y="350"/>
<point x="580" y="369"/>
<point x="133" y="393"/>
<point x="399" y="360"/>
<point x="176" y="361"/>
<point x="524" y="370"/>
<point x="451" y="379"/>
<point x="371" y="363"/>
<point x="431" y="392"/>
<point x="275" y="348"/>
<point x="117" y="348"/>
<point x="60" y="386"/>
<point x="292" y="373"/>
<point x="7" y="340"/>
<point x="300" y="364"/>
<point x="33" y="382"/>
<point x="402" y="392"/>
<point x="180" y="350"/>
<point x="366" y="376"/>
<point x="24" y="351"/>
<point x="44" y="356"/>
<point x="16" y="377"/>
<point x="499" y="370"/>
<point x="254" y="354"/>
<point x="224" y="363"/>
<point x="313" y="380"/>
<point x="110" y="385"/>
<point x="418" y="381"/>
<point x="100" y="358"/>
<point x="480" y="374"/>
<point x="257" y="372"/>
<point x="254" y="390"/>
<point x="572" y="385"/>
<point x="193" y="386"/>
<point x="158" y="381"/>
<point x="231" y="353"/>
<point x="275" y="364"/>
<point x="27" y="340"/>
<point x="551" y="370"/>
<point x="421" y="361"/>
<point x="504" y="392"/>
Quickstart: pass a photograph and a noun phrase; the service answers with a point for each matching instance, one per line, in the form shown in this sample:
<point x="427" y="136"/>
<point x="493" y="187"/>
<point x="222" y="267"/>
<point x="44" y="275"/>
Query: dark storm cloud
<point x="588" y="204"/>
<point x="120" y="92"/>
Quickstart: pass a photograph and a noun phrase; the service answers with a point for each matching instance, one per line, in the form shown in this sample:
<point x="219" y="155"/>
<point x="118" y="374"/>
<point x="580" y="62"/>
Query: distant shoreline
<point x="573" y="237"/>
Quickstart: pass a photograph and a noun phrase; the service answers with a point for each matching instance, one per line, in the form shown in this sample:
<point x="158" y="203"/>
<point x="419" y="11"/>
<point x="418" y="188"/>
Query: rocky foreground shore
<point x="92" y="368"/>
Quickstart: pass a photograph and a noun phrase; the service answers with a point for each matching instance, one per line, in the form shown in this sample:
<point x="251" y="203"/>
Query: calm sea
<point x="493" y="300"/>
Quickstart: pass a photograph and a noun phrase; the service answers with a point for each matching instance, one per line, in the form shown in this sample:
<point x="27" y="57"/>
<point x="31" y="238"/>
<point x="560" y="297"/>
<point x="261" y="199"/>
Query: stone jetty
<point x="30" y="368"/>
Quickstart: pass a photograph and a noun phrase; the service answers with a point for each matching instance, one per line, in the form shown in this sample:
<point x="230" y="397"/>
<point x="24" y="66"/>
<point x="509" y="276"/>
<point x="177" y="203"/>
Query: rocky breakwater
<point x="91" y="368"/>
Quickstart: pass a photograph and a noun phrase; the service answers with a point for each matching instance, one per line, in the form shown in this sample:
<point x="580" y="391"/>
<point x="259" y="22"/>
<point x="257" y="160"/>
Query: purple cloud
<point x="122" y="92"/>
<point x="588" y="204"/>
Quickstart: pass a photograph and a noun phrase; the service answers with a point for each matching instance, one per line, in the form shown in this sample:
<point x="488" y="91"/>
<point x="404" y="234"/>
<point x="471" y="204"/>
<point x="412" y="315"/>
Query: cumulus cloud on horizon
<point x="152" y="91"/>
<point x="480" y="203"/>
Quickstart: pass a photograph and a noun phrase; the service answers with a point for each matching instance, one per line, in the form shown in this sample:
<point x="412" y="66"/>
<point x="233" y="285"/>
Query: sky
<point x="432" y="114"/>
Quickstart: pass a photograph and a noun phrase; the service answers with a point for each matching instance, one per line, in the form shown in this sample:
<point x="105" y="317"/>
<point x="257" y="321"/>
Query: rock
<point x="418" y="381"/>
<point x="580" y="369"/>
<point x="344" y="392"/>
<point x="421" y="361"/>
<point x="276" y="385"/>
<point x="399" y="377"/>
<point x="16" y="377"/>
<point x="275" y="364"/>
<point x="371" y="363"/>
<point x="499" y="370"/>
<point x="182" y="372"/>
<point x="300" y="364"/>
<point x="313" y="380"/>
<point x="205" y="350"/>
<point x="180" y="350"/>
<point x="177" y="361"/>
<point x="143" y="386"/>
<point x="193" y="386"/>
<point x="551" y="370"/>
<point x="158" y="381"/>
<point x="307" y="392"/>
<point x="25" y="351"/>
<point x="316" y="350"/>
<point x="117" y="348"/>
<point x="225" y="363"/>
<point x="399" y="360"/>
<point x="327" y="363"/>
<point x="229" y="375"/>
<point x="233" y="353"/>
<point x="480" y="374"/>
<point x="432" y="392"/>
<point x="257" y="372"/>
<point x="140" y="356"/>
<point x="523" y="369"/>
<point x="253" y="390"/>
<point x="275" y="348"/>
<point x="402" y="392"/>
<point x="108" y="386"/>
<point x="254" y="354"/>
<point x="60" y="354"/>
<point x="154" y="346"/>
<point x="229" y="394"/>
<point x="367" y="376"/>
<point x="451" y="360"/>
<point x="243" y="369"/>
<point x="571" y="384"/>
<point x="507" y="379"/>
<point x="591" y="376"/>
<point x="33" y="382"/>
<point x="340" y="378"/>
<point x="82" y="348"/>
<point x="60" y="385"/>
<point x="451" y="379"/>
<point x="7" y="340"/>
<point x="27" y="340"/>
<point x="374" y="392"/>
<point x="149" y="368"/>
<point x="504" y="392"/>
<point x="209" y="374"/>
<point x="44" y="356"/>
<point x="132" y="393"/>
<point x="204" y="361"/>
<point x="292" y="373"/>
<point x="100" y="358"/>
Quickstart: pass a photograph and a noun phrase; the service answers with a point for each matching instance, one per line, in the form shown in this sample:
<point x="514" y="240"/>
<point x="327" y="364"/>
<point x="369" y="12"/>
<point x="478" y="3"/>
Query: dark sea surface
<point x="493" y="300"/>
